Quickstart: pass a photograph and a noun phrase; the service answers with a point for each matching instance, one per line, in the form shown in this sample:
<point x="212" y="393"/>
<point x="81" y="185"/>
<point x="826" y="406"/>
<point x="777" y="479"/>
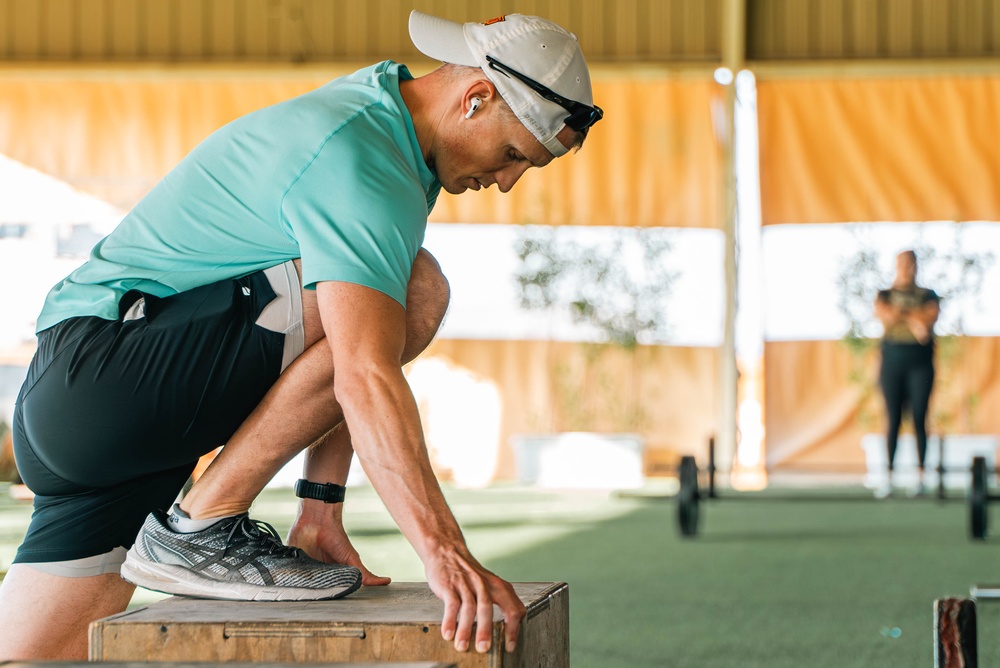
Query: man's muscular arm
<point x="366" y="333"/>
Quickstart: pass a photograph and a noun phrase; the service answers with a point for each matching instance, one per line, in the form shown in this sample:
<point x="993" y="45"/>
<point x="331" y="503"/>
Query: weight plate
<point x="688" y="497"/>
<point x="978" y="499"/>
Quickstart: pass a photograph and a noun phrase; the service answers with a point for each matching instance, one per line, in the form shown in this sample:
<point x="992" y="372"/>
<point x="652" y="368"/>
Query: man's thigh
<point x="114" y="414"/>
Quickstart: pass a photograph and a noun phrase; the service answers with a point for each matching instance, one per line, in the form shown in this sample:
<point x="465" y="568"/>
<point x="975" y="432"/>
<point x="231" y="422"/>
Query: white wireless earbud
<point x="476" y="103"/>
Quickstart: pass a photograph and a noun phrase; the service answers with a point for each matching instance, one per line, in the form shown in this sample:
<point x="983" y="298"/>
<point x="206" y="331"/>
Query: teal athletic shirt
<point x="335" y="177"/>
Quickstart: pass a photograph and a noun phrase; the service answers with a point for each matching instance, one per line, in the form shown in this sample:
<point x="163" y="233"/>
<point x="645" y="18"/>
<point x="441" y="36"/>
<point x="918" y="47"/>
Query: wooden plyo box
<point x="397" y="623"/>
<point x="151" y="664"/>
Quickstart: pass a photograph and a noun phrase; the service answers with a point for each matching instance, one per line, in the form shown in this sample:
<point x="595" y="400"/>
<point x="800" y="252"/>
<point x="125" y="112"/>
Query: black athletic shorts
<point x="113" y="415"/>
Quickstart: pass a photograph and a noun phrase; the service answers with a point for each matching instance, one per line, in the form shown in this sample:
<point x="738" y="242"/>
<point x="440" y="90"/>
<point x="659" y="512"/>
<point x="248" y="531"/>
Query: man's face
<point x="492" y="147"/>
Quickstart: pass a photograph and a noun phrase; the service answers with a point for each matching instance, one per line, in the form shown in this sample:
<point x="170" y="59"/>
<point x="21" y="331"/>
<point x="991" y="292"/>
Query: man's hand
<point x="325" y="540"/>
<point x="469" y="592"/>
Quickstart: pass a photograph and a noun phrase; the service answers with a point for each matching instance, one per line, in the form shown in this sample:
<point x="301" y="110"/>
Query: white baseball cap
<point x="537" y="67"/>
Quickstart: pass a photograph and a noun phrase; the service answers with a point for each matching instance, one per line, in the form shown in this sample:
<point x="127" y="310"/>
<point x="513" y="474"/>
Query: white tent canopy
<point x="38" y="215"/>
<point x="32" y="197"/>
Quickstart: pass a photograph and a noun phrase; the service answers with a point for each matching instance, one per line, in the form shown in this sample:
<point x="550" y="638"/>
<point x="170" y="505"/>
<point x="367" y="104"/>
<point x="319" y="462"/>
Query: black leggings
<point x="907" y="377"/>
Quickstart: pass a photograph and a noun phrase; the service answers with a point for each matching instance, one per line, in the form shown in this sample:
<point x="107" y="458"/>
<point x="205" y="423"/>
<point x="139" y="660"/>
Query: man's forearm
<point x="386" y="434"/>
<point x="329" y="459"/>
<point x="367" y="334"/>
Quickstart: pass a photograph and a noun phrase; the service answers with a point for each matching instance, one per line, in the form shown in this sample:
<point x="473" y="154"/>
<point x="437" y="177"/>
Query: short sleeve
<point x="358" y="213"/>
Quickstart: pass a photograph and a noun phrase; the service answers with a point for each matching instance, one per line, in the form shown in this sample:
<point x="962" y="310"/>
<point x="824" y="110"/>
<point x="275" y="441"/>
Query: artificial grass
<point x="767" y="583"/>
<point x="815" y="583"/>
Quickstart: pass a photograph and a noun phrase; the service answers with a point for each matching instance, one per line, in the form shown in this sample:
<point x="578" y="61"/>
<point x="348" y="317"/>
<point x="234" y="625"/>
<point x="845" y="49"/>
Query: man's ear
<point x="479" y="94"/>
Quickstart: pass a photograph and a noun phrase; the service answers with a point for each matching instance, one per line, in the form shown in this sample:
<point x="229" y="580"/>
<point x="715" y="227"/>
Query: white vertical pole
<point x="733" y="58"/>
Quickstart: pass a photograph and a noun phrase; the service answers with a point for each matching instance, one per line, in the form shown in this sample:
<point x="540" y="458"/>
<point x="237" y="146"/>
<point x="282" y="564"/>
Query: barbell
<point x="979" y="499"/>
<point x="690" y="495"/>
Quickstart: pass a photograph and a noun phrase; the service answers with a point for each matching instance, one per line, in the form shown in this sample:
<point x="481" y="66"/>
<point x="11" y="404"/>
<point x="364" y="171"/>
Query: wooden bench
<point x="400" y="622"/>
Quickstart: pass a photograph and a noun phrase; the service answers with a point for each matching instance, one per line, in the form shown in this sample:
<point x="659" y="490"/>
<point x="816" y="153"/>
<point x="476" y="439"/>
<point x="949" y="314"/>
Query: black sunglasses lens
<point x="583" y="118"/>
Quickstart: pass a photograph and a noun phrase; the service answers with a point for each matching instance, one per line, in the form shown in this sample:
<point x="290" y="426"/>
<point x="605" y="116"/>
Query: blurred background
<point x="702" y="270"/>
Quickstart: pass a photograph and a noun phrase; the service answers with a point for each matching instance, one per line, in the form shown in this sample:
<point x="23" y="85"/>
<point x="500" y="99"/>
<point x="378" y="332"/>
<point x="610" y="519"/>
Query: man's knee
<point x="45" y="617"/>
<point x="427" y="297"/>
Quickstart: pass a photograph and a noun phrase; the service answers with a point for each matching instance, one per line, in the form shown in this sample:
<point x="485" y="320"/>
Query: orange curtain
<point x="859" y="150"/>
<point x="652" y="161"/>
<point x="664" y="394"/>
<point x="821" y="398"/>
<point x="115" y="133"/>
<point x="115" y="136"/>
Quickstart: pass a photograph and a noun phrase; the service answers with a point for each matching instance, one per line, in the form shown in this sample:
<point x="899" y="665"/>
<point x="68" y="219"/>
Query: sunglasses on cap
<point x="581" y="116"/>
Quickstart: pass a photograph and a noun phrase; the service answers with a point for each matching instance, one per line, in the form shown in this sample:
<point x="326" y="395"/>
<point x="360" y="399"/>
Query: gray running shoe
<point x="236" y="558"/>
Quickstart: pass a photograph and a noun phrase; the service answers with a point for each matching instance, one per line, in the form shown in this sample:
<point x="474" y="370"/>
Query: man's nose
<point x="506" y="178"/>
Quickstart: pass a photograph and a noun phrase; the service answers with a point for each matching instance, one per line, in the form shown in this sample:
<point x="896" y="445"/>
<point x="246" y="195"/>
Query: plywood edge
<point x="120" y="615"/>
<point x="284" y="630"/>
<point x="544" y="600"/>
<point x="95" y="644"/>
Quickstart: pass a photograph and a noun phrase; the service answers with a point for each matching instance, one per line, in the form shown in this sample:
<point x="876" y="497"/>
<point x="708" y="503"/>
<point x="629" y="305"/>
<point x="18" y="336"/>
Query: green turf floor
<point x="768" y="583"/>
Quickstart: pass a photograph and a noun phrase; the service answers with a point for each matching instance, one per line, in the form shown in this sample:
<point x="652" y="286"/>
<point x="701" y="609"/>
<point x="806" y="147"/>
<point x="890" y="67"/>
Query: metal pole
<point x="940" y="466"/>
<point x="711" y="468"/>
<point x="733" y="58"/>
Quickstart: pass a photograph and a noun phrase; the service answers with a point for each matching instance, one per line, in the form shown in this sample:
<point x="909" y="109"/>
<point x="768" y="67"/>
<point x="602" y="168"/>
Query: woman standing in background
<point x="908" y="313"/>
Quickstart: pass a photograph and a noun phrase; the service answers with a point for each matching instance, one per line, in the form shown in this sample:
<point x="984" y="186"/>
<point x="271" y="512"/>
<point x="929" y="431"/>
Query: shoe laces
<point x="263" y="534"/>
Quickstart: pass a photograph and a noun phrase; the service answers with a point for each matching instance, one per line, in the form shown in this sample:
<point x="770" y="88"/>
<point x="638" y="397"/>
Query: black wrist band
<point x="325" y="492"/>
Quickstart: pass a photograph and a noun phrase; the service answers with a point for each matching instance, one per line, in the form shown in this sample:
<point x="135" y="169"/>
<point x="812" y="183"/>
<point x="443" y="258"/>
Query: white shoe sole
<point x="180" y="581"/>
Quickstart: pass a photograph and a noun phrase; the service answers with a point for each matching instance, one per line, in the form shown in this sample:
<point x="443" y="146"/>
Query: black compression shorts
<point x="113" y="415"/>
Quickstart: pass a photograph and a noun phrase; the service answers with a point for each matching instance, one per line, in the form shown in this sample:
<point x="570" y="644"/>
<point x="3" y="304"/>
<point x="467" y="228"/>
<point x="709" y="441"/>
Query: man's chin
<point x="454" y="188"/>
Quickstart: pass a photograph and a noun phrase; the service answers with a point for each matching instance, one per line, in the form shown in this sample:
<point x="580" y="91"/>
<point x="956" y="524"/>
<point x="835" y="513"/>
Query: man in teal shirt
<point x="334" y="177"/>
<point x="284" y="247"/>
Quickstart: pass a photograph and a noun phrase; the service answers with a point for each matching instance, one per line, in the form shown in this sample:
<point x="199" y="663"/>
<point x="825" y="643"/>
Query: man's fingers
<point x="484" y="622"/>
<point x="369" y="579"/>
<point x="466" y="616"/>
<point x="513" y="612"/>
<point x="451" y="607"/>
<point x="469" y="596"/>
